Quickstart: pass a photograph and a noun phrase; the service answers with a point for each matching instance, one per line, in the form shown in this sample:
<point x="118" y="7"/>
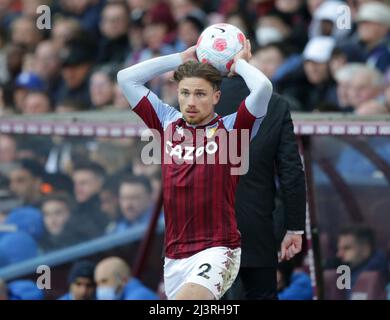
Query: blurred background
<point x="81" y="202"/>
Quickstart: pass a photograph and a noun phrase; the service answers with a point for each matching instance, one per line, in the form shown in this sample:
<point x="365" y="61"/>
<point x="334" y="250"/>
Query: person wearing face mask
<point x="114" y="282"/>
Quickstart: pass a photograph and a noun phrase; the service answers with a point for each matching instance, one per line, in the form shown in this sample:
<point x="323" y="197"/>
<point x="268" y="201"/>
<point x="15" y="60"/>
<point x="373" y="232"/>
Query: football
<point x="218" y="44"/>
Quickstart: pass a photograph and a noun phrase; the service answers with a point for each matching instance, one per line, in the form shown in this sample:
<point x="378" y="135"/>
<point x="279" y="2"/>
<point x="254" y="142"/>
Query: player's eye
<point x="185" y="93"/>
<point x="200" y="94"/>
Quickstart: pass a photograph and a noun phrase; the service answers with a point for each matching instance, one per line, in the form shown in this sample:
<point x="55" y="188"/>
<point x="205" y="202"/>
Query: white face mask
<point x="265" y="35"/>
<point x="107" y="293"/>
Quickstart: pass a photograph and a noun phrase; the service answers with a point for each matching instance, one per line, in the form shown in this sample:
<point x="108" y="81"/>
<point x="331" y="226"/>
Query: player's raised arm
<point x="132" y="79"/>
<point x="259" y="85"/>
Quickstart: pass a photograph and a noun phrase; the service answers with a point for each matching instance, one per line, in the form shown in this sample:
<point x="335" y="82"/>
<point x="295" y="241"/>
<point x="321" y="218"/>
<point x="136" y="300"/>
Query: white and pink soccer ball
<point x="218" y="44"/>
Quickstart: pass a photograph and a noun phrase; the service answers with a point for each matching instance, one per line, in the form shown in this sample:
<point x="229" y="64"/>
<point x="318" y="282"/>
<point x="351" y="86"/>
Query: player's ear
<point x="216" y="96"/>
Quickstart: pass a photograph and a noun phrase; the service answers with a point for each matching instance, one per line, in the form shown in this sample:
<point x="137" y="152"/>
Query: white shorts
<point x="215" y="268"/>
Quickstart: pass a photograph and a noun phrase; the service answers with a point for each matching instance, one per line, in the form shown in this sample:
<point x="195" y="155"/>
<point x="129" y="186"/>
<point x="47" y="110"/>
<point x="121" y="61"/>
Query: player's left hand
<point x="245" y="54"/>
<point x="291" y="245"/>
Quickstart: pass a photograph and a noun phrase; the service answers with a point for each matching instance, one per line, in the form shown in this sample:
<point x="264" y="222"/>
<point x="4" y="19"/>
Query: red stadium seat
<point x="331" y="292"/>
<point x="369" y="286"/>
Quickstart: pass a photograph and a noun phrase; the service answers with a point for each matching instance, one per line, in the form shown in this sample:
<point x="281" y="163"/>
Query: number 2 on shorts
<point x="206" y="268"/>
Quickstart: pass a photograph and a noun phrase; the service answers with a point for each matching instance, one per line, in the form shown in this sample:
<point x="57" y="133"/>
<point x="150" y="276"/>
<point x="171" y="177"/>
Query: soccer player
<point x="202" y="242"/>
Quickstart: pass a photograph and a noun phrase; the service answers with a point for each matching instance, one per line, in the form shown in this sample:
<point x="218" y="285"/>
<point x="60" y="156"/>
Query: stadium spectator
<point x="47" y="65"/>
<point x="88" y="221"/>
<point x="25" y="33"/>
<point x="373" y="20"/>
<point x="356" y="248"/>
<point x="64" y="29"/>
<point x="343" y="78"/>
<point x="14" y="60"/>
<point x="25" y="181"/>
<point x="109" y="200"/>
<point x="183" y="8"/>
<point x="322" y="88"/>
<point x="36" y="102"/>
<point x="77" y="60"/>
<point x="158" y="32"/>
<point x="269" y="58"/>
<point x="114" y="281"/>
<point x="81" y="282"/>
<point x="56" y="210"/>
<point x="244" y="22"/>
<point x="189" y="29"/>
<point x="26" y="82"/>
<point x="101" y="89"/>
<point x="87" y="12"/>
<point x="114" y="24"/>
<point x="366" y="85"/>
<point x="324" y="22"/>
<point x="135" y="202"/>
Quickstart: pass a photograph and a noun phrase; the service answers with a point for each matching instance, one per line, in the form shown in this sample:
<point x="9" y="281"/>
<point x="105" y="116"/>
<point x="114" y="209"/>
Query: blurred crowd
<point x="325" y="55"/>
<point x="322" y="55"/>
<point x="55" y="193"/>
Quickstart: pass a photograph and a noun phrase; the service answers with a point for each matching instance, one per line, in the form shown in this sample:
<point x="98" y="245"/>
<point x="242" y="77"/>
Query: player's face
<point x="197" y="99"/>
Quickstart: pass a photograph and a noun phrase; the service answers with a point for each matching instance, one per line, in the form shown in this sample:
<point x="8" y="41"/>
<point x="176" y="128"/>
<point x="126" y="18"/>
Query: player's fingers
<point x="290" y="252"/>
<point x="283" y="252"/>
<point x="296" y="249"/>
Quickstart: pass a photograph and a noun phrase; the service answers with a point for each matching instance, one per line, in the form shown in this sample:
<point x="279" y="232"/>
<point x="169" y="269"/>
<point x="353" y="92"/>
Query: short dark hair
<point x="32" y="166"/>
<point x="363" y="234"/>
<point x="205" y="71"/>
<point x="133" y="179"/>
<point x="60" y="197"/>
<point x="81" y="269"/>
<point x="91" y="166"/>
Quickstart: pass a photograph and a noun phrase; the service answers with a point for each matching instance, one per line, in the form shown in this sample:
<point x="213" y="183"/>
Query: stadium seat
<point x="331" y="292"/>
<point x="369" y="286"/>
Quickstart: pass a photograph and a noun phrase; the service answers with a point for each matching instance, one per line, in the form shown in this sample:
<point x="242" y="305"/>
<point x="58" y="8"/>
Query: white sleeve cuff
<point x="295" y="232"/>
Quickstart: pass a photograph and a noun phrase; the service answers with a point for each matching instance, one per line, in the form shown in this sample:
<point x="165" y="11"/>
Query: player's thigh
<point x="215" y="269"/>
<point x="193" y="291"/>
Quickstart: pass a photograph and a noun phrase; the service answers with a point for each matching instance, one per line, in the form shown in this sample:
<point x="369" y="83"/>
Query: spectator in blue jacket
<point x="114" y="282"/>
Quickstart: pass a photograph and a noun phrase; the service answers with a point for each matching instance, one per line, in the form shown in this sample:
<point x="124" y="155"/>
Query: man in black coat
<point x="274" y="148"/>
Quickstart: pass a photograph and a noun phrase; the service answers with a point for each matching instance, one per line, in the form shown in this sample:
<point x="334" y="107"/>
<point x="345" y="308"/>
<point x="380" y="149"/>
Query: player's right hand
<point x="189" y="54"/>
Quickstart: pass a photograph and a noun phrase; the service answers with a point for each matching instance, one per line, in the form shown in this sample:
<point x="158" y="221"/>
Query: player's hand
<point x="245" y="54"/>
<point x="291" y="245"/>
<point x="189" y="54"/>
